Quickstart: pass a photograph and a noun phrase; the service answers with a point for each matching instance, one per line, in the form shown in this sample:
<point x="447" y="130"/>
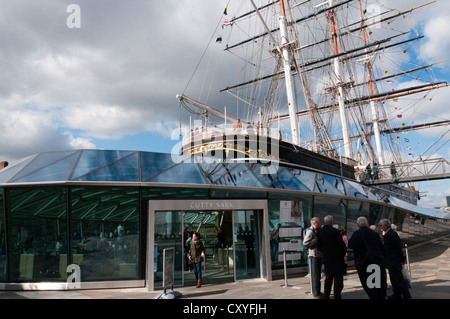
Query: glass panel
<point x="57" y="171"/>
<point x="92" y="160"/>
<point x="335" y="207"/>
<point x="105" y="232"/>
<point x="355" y="210"/>
<point x="286" y="180"/>
<point x="41" y="163"/>
<point x="154" y="163"/>
<point x="126" y="169"/>
<point x="327" y="184"/>
<point x="173" y="192"/>
<point x="304" y="204"/>
<point x="7" y="173"/>
<point x="168" y="234"/>
<point x="2" y="240"/>
<point x="37" y="233"/>
<point x="181" y="173"/>
<point x="246" y="244"/>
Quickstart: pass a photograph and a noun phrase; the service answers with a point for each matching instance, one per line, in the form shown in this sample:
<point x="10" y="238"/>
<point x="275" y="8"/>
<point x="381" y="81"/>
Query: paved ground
<point x="430" y="267"/>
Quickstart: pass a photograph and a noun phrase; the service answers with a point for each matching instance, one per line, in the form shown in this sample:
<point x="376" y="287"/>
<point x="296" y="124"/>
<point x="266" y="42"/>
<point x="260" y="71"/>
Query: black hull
<point x="240" y="146"/>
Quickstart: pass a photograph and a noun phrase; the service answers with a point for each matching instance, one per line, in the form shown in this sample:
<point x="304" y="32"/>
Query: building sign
<point x="211" y="205"/>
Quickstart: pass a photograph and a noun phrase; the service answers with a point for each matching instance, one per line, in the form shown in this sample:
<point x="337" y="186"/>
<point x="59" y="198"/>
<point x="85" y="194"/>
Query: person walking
<point x="395" y="261"/>
<point x="331" y="244"/>
<point x="196" y="255"/>
<point x="369" y="250"/>
<point x="315" y="256"/>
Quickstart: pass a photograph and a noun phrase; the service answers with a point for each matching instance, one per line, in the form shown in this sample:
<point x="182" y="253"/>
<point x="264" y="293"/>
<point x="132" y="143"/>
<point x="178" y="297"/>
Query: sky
<point x="104" y="74"/>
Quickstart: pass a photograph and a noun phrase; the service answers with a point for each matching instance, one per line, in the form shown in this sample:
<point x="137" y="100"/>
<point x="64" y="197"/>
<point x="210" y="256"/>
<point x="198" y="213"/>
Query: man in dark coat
<point x="367" y="243"/>
<point x="395" y="261"/>
<point x="329" y="241"/>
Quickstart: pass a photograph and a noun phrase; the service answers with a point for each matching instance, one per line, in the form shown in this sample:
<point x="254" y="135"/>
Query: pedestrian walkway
<point x="430" y="268"/>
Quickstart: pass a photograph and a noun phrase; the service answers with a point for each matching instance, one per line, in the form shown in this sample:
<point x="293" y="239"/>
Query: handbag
<point x="406" y="276"/>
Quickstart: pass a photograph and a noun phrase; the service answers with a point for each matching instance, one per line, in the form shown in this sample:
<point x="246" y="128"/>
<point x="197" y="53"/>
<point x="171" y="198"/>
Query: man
<point x="333" y="248"/>
<point x="369" y="250"/>
<point x="315" y="256"/>
<point x="395" y="261"/>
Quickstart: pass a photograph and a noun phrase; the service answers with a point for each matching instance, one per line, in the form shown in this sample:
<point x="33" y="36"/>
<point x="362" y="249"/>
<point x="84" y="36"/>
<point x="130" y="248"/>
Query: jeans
<point x="198" y="270"/>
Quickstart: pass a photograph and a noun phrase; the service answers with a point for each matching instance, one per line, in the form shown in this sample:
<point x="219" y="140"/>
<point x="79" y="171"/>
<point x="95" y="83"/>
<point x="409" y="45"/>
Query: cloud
<point x="25" y="132"/>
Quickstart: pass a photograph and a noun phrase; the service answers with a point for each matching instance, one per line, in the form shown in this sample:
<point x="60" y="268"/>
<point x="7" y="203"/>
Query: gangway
<point x="416" y="171"/>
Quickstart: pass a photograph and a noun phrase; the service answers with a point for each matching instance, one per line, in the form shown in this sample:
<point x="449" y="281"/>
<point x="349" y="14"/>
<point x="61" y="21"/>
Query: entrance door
<point x="218" y="265"/>
<point x="243" y="255"/>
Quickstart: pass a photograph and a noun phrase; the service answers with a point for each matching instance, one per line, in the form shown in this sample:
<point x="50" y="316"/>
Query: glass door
<point x="168" y="234"/>
<point x="215" y="229"/>
<point x="246" y="244"/>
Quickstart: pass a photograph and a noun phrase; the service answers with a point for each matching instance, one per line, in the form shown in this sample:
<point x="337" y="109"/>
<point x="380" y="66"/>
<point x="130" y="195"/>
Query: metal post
<point x="285" y="268"/>
<point x="407" y="260"/>
<point x="310" y="282"/>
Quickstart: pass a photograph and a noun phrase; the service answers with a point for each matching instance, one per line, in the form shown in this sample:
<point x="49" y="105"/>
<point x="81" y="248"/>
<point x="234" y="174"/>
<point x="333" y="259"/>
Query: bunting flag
<point x="225" y="11"/>
<point x="395" y="100"/>
<point x="385" y="72"/>
<point x="402" y="124"/>
<point x="226" y="23"/>
<point x="399" y="116"/>
<point x="408" y="148"/>
<point x="219" y="39"/>
<point x="406" y="140"/>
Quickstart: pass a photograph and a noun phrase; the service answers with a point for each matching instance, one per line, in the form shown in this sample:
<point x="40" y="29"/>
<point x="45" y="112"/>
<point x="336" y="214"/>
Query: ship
<point x="320" y="86"/>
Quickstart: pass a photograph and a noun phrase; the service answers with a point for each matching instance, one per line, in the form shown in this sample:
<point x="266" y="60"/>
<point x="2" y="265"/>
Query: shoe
<point x="199" y="283"/>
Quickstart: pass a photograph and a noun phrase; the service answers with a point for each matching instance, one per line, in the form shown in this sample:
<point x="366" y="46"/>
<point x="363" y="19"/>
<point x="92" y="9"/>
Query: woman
<point x="196" y="254"/>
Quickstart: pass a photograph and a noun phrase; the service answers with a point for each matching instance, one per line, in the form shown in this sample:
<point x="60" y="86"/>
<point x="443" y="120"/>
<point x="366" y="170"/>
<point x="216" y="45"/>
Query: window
<point x="37" y="233"/>
<point x="105" y="232"/>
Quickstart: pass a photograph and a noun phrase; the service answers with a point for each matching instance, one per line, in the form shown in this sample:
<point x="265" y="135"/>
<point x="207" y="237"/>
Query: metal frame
<point x="198" y="204"/>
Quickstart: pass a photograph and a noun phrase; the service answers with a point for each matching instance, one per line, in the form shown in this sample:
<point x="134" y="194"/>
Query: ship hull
<point x="238" y="147"/>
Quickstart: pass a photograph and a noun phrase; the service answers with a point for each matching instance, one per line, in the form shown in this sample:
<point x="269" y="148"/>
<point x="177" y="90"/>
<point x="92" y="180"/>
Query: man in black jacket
<point x="329" y="241"/>
<point x="367" y="244"/>
<point x="395" y="261"/>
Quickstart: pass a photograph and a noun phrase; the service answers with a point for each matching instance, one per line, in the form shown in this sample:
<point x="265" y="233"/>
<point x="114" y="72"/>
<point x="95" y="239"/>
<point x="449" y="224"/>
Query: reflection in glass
<point x="37" y="233"/>
<point x="168" y="234"/>
<point x="105" y="232"/>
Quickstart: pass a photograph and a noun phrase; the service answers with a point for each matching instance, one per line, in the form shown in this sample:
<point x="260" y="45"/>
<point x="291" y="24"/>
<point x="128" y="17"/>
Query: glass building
<point x="112" y="214"/>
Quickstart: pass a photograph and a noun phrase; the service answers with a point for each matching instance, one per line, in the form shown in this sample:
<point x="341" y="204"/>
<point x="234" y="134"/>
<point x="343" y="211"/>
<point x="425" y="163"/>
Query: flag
<point x="385" y="72"/>
<point x="406" y="140"/>
<point x="219" y="39"/>
<point x="408" y="148"/>
<point x="225" y="23"/>
<point x="225" y="11"/>
<point x="402" y="124"/>
<point x="399" y="116"/>
<point x="394" y="100"/>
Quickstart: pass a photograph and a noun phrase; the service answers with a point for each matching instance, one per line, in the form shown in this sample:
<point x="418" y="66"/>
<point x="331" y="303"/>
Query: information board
<point x="168" y="266"/>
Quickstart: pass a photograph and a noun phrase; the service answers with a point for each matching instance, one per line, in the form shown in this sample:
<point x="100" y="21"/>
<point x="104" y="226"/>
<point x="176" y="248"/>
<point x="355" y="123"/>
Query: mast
<point x="340" y="90"/>
<point x="288" y="76"/>
<point x="376" y="128"/>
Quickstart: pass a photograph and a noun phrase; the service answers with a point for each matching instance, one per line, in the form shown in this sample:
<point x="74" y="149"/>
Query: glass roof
<point x="151" y="167"/>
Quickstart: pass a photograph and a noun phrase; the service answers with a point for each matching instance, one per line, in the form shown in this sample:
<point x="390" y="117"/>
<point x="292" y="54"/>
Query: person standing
<point x="274" y="241"/>
<point x="369" y="250"/>
<point x="395" y="261"/>
<point x="315" y="256"/>
<point x="196" y="255"/>
<point x="331" y="244"/>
